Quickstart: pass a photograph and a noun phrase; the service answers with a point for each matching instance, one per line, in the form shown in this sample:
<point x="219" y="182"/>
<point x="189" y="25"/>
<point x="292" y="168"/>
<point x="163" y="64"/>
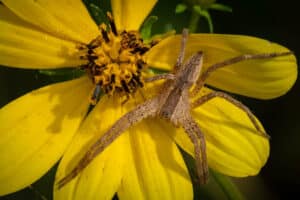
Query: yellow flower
<point x="42" y="126"/>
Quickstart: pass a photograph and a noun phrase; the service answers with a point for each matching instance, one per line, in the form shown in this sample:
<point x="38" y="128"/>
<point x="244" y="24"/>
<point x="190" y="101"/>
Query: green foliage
<point x="97" y="13"/>
<point x="220" y="7"/>
<point x="62" y="74"/>
<point x="200" y="9"/>
<point x="229" y="188"/>
<point x="204" y="13"/>
<point x="180" y="8"/>
<point x="147" y="27"/>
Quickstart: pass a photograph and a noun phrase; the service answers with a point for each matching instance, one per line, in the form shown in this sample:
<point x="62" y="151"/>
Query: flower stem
<point x="228" y="187"/>
<point x="194" y="20"/>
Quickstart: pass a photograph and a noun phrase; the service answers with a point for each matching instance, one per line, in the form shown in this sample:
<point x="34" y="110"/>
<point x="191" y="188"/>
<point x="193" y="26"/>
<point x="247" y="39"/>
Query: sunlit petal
<point x="73" y="22"/>
<point x="35" y="130"/>
<point x="262" y="79"/>
<point x="22" y="45"/>
<point x="155" y="168"/>
<point x="130" y="14"/>
<point x="102" y="176"/>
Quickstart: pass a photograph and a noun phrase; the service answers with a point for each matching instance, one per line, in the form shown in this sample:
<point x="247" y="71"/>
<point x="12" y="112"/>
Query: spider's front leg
<point x="178" y="64"/>
<point x="142" y="111"/>
<point x="204" y="76"/>
<point x="157" y="77"/>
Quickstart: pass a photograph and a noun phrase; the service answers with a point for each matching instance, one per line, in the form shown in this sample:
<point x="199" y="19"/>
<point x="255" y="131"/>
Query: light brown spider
<point x="173" y="104"/>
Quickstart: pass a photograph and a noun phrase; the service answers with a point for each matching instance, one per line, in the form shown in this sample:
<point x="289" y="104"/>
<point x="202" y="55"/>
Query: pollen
<point x="115" y="61"/>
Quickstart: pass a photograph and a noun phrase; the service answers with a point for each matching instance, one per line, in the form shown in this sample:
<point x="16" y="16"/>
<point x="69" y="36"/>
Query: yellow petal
<point x="66" y="19"/>
<point x="155" y="168"/>
<point x="102" y="176"/>
<point x="22" y="45"/>
<point x="143" y="160"/>
<point x="35" y="130"/>
<point x="130" y="14"/>
<point x="234" y="147"/>
<point x="262" y="79"/>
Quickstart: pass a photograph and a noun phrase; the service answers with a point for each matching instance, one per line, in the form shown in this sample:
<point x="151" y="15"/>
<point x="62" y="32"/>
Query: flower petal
<point x="130" y="14"/>
<point x="66" y="19"/>
<point x="101" y="178"/>
<point x="262" y="79"/>
<point x="22" y="45"/>
<point x="234" y="147"/>
<point x="35" y="130"/>
<point x="155" y="168"/>
<point x="152" y="164"/>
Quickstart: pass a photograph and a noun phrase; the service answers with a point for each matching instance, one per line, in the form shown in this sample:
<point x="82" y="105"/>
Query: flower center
<point x="115" y="61"/>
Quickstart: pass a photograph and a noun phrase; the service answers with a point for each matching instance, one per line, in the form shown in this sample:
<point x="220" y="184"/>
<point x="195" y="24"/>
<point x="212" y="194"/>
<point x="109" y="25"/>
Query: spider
<point x="173" y="104"/>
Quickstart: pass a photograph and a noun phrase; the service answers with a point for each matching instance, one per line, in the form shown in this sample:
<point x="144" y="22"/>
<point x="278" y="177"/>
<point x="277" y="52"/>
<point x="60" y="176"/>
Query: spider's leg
<point x="180" y="58"/>
<point x="142" y="111"/>
<point x="160" y="77"/>
<point x="196" y="136"/>
<point x="214" y="67"/>
<point x="235" y="102"/>
<point x="179" y="61"/>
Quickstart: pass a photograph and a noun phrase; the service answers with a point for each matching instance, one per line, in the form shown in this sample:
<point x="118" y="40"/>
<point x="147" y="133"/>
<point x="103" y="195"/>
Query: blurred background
<point x="275" y="20"/>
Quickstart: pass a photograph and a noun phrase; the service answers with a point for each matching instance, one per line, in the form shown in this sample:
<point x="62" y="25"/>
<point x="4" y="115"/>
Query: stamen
<point x="140" y="64"/>
<point x="104" y="33"/>
<point x="113" y="78"/>
<point x="94" y="43"/>
<point x="114" y="61"/>
<point x="125" y="86"/>
<point x="138" y="81"/>
<point x="112" y="23"/>
<point x="91" y="58"/>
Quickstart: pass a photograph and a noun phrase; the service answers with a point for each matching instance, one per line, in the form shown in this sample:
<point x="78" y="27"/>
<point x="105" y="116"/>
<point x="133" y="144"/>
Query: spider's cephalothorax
<point x="115" y="61"/>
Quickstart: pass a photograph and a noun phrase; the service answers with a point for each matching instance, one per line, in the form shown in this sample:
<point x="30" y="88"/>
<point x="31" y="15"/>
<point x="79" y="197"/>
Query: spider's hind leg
<point x="197" y="138"/>
<point x="235" y="102"/>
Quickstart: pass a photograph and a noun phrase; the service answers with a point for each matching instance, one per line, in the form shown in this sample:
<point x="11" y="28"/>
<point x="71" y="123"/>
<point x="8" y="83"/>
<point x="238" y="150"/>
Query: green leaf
<point x="220" y="7"/>
<point x="62" y="74"/>
<point x="197" y="9"/>
<point x="228" y="187"/>
<point x="180" y="8"/>
<point x="147" y="27"/>
<point x="97" y="14"/>
<point x="153" y="70"/>
<point x="206" y="15"/>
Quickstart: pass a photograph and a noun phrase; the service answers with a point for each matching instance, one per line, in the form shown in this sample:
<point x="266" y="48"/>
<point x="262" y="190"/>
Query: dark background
<point x="277" y="21"/>
<point x="274" y="20"/>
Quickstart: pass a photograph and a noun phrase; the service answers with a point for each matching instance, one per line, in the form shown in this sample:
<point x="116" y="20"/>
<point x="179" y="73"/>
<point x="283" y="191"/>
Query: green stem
<point x="194" y="20"/>
<point x="228" y="187"/>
